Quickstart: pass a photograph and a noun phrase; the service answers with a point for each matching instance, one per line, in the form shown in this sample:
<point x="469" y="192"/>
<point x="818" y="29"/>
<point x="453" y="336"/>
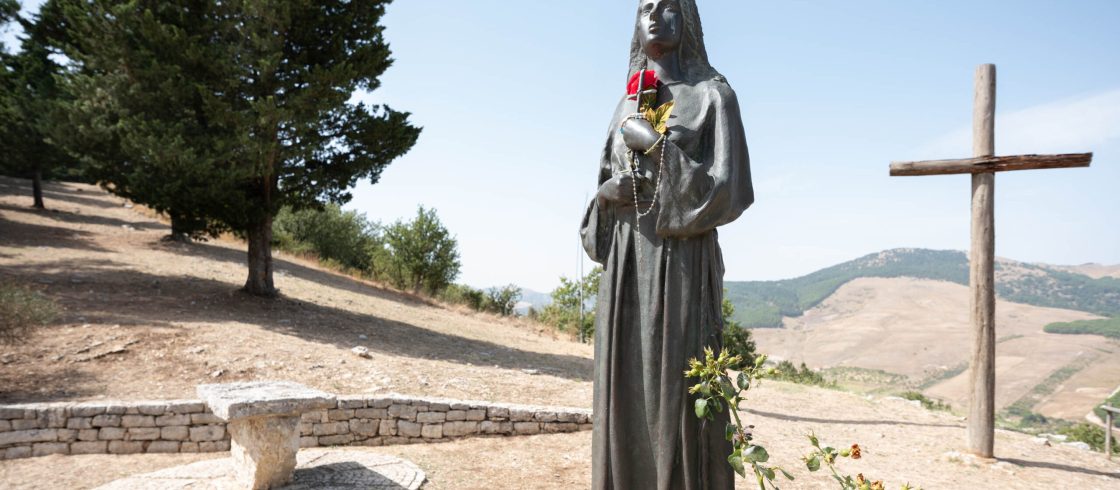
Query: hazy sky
<point x="515" y="97"/>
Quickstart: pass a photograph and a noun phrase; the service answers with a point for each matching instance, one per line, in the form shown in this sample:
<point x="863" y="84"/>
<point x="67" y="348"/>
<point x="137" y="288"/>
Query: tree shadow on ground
<point x="55" y="191"/>
<point x="18" y="234"/>
<point x="797" y="418"/>
<point x="129" y="297"/>
<point x="85" y="219"/>
<point x="1061" y="467"/>
<point x="29" y="387"/>
<point x="282" y="266"/>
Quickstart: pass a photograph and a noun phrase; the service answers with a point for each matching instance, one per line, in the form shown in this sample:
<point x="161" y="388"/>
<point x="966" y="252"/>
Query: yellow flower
<point x="855" y="451"/>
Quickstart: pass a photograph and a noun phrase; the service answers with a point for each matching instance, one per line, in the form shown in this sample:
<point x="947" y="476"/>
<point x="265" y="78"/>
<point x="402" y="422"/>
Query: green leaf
<point x="702" y="407"/>
<point x="729" y="431"/>
<point x="756" y="454"/>
<point x="813" y="463"/>
<point x="786" y="474"/>
<point x="736" y="462"/>
<point x="814" y="441"/>
<point x="768" y="473"/>
<point x="728" y="389"/>
<point x="744" y="381"/>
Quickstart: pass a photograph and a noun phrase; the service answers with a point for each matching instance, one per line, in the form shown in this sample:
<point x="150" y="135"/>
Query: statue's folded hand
<point x="619" y="188"/>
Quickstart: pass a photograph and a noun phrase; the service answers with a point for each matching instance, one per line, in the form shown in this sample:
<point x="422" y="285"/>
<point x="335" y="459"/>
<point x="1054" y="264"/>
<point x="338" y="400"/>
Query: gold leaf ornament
<point x="659" y="117"/>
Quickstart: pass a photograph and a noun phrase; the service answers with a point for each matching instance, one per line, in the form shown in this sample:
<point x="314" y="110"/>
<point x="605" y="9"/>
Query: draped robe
<point x="660" y="296"/>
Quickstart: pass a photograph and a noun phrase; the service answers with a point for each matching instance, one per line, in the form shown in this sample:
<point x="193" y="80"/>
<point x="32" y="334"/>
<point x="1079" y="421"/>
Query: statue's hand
<point x="619" y="188"/>
<point x="639" y="135"/>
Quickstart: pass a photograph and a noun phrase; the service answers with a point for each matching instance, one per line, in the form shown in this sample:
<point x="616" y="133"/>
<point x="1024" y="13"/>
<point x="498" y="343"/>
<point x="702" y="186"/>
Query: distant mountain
<point x="763" y="304"/>
<point x="533" y="299"/>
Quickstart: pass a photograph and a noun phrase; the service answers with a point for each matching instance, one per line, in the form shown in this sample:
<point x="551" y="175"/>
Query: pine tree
<point x="9" y="9"/>
<point x="225" y="112"/>
<point x="29" y="95"/>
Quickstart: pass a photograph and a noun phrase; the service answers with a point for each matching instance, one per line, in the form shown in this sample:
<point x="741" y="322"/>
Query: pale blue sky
<point x="515" y="98"/>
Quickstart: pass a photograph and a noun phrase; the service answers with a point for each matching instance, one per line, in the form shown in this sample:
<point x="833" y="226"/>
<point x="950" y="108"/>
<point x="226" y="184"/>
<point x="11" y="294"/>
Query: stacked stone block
<point x="187" y="426"/>
<point x="109" y="428"/>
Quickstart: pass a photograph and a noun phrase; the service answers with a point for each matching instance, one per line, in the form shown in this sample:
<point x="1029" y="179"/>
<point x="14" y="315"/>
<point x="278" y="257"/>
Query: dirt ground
<point x="901" y="443"/>
<point x="920" y="327"/>
<point x="147" y="320"/>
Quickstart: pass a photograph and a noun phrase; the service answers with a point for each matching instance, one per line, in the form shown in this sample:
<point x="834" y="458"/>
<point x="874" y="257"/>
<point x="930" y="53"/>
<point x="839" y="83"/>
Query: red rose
<point x="649" y="81"/>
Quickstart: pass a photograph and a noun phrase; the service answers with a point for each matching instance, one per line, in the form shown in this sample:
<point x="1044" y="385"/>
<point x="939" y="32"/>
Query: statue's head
<point x="665" y="26"/>
<point x="659" y="26"/>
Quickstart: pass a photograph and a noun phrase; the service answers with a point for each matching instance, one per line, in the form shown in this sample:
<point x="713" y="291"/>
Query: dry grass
<point x="145" y="319"/>
<point x="919" y="327"/>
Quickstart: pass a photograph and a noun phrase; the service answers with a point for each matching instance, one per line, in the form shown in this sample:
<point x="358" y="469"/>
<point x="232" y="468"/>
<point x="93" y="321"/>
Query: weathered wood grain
<point x="989" y="164"/>
<point x="981" y="413"/>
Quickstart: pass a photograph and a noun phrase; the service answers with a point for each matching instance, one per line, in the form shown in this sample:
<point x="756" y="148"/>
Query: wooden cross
<point x="982" y="386"/>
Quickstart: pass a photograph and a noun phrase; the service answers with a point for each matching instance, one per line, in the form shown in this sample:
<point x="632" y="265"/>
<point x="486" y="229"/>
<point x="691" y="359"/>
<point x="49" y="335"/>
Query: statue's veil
<point x="693" y="56"/>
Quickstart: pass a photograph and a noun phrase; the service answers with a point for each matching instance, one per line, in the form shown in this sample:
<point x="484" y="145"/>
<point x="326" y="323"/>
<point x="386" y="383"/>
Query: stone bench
<point x="263" y="423"/>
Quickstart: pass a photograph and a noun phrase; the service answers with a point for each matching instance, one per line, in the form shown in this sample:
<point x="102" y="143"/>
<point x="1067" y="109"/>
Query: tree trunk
<point x="260" y="259"/>
<point x="37" y="189"/>
<point x="180" y="232"/>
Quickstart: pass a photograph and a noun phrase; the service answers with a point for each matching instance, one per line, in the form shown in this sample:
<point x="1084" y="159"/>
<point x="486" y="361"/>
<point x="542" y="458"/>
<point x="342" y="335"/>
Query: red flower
<point x="649" y="81"/>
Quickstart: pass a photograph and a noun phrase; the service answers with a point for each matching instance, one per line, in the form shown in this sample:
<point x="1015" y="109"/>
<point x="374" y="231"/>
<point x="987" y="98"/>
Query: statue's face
<point x="660" y="26"/>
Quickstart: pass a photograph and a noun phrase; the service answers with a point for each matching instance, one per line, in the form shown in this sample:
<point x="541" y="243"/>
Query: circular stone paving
<point x="316" y="469"/>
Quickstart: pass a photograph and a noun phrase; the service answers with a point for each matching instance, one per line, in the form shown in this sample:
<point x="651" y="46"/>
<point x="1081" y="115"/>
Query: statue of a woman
<point x="662" y="284"/>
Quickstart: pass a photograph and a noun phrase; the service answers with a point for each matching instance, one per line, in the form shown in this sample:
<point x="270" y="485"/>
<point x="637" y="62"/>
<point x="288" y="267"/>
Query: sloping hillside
<point x="764" y="304"/>
<point x="147" y="320"/>
<point x="920" y="329"/>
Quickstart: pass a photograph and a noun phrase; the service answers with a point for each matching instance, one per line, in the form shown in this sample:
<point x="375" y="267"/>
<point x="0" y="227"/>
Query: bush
<point x="343" y="237"/>
<point x="564" y="311"/>
<point x="502" y="300"/>
<point x="420" y="255"/>
<point x="736" y="339"/>
<point x="927" y="402"/>
<point x="1090" y="434"/>
<point x="1112" y="401"/>
<point x="803" y="375"/>
<point x="1107" y="327"/>
<point x="21" y="309"/>
<point x="461" y="294"/>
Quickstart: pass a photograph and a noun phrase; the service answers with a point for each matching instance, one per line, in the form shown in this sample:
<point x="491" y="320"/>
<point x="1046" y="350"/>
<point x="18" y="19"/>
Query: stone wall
<point x="188" y="426"/>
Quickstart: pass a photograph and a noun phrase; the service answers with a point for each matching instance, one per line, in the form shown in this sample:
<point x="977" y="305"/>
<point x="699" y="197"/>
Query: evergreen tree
<point x="222" y="113"/>
<point x="9" y="9"/>
<point x="29" y="95"/>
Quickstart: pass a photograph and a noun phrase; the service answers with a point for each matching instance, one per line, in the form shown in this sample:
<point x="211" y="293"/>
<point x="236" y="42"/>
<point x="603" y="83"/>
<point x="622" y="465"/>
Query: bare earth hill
<point x="920" y="329"/>
<point x="143" y="319"/>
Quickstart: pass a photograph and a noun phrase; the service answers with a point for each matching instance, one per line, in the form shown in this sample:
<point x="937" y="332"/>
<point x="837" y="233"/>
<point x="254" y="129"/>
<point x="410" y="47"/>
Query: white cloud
<point x="1074" y="125"/>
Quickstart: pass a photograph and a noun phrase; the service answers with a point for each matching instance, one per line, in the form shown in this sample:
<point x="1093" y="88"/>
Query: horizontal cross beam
<point x="983" y="165"/>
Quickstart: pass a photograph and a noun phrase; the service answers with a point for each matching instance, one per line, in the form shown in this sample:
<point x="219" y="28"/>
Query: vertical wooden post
<point x="1108" y="433"/>
<point x="981" y="414"/>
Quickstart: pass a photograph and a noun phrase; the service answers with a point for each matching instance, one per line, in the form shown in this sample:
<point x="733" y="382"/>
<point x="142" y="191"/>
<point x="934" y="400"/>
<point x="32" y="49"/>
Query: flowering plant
<point x="717" y="391"/>
<point x="657" y="117"/>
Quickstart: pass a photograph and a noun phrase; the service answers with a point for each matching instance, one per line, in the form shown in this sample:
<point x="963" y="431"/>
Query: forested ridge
<point x="763" y="304"/>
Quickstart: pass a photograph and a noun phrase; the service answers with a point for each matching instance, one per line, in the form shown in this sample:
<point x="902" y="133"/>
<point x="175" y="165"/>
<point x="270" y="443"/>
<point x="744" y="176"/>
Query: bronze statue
<point x="663" y="191"/>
